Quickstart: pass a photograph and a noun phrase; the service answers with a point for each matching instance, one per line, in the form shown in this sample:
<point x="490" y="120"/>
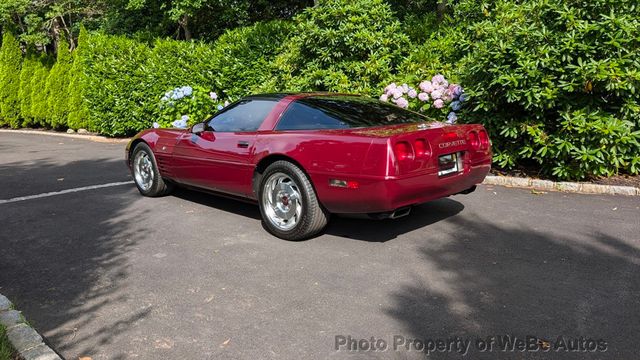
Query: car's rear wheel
<point x="146" y="174"/>
<point x="288" y="203"/>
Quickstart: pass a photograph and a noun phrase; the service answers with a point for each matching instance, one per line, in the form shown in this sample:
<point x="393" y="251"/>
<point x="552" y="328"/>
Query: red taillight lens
<point x="421" y="148"/>
<point x="403" y="150"/>
<point x="484" y="139"/>
<point x="474" y="140"/>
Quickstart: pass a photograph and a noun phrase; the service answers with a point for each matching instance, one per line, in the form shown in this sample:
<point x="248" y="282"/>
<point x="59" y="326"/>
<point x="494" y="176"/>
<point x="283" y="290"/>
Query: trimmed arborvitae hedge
<point x="57" y="87"/>
<point x="39" y="111"/>
<point x="26" y="75"/>
<point x="10" y="64"/>
<point x="77" y="107"/>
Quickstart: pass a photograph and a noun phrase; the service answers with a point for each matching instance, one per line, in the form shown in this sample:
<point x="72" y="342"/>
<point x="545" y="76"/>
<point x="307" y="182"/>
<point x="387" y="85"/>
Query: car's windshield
<point x="356" y="111"/>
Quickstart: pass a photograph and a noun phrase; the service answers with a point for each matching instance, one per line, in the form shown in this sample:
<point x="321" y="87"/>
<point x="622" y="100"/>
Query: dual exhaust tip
<point x="406" y="210"/>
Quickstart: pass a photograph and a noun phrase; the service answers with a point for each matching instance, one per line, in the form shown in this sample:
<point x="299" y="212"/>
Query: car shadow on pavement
<point x="219" y="202"/>
<point x="487" y="280"/>
<point x="384" y="230"/>
<point x="339" y="225"/>
<point x="66" y="258"/>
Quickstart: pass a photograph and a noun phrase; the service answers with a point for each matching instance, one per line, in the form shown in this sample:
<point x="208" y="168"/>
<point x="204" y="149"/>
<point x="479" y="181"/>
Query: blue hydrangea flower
<point x="452" y="118"/>
<point x="156" y="125"/>
<point x="181" y="124"/>
<point x="455" y="105"/>
<point x="220" y="107"/>
<point x="187" y="90"/>
<point x="185" y="118"/>
<point x="463" y="97"/>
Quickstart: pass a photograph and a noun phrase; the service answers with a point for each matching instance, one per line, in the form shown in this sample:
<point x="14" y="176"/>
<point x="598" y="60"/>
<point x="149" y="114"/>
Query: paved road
<point x="109" y="274"/>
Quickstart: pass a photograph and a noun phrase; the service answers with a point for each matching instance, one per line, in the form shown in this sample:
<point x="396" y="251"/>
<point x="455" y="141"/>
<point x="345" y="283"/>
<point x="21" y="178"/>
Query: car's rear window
<point x="343" y="112"/>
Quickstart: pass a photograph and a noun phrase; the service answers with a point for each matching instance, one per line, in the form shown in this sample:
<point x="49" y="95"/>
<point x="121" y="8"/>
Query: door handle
<point x="243" y="144"/>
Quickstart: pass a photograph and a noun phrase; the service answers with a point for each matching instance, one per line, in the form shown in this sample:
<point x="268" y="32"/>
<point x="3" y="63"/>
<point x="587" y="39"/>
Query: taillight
<point x="474" y="140"/>
<point x="421" y="148"/>
<point x="403" y="150"/>
<point x="484" y="139"/>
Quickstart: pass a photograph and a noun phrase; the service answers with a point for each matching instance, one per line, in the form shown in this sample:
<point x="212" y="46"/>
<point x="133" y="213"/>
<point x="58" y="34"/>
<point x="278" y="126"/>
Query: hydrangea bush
<point x="186" y="105"/>
<point x="436" y="97"/>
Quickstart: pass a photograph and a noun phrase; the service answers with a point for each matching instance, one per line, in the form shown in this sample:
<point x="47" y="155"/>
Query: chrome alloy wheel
<point x="282" y="201"/>
<point x="143" y="170"/>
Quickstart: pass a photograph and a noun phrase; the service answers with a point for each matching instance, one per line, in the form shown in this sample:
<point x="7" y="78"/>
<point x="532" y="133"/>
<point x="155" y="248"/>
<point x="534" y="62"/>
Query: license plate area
<point x="449" y="164"/>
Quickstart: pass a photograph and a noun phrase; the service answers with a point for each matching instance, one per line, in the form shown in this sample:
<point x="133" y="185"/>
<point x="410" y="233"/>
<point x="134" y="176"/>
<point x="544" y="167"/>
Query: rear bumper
<point x="386" y="195"/>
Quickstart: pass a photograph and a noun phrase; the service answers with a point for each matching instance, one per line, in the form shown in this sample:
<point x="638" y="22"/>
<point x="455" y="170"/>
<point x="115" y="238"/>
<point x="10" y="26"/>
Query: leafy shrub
<point x="242" y="57"/>
<point x="57" y="87"/>
<point x="557" y="83"/>
<point x="10" y="64"/>
<point x="184" y="106"/>
<point x="341" y="45"/>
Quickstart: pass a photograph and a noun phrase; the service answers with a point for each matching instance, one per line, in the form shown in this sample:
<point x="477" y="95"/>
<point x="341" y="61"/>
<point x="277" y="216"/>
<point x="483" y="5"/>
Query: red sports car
<point x="305" y="156"/>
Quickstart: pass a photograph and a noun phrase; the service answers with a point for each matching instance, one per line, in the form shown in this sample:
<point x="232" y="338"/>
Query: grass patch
<point x="6" y="350"/>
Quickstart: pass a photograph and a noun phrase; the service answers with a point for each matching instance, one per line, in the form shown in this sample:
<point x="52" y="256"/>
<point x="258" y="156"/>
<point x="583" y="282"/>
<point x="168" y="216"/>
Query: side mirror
<point x="198" y="128"/>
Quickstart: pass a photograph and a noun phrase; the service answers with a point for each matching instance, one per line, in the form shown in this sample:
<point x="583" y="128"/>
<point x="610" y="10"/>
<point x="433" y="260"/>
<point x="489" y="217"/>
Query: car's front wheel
<point x="288" y="203"/>
<point x="146" y="174"/>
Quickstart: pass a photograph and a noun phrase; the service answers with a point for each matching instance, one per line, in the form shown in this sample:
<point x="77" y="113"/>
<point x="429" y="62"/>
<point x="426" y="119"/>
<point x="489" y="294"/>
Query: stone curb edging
<point x="24" y="339"/>
<point x="573" y="187"/>
<point x="95" y="138"/>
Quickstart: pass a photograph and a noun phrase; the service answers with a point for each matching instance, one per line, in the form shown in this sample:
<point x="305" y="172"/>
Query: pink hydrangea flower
<point x="402" y="102"/>
<point x="438" y="104"/>
<point x="390" y="88"/>
<point x="412" y="93"/>
<point x="426" y="86"/>
<point x="384" y="97"/>
<point x="437" y="94"/>
<point x="423" y="96"/>
<point x="405" y="88"/>
<point x="447" y="96"/>
<point x="439" y="80"/>
<point x="397" y="93"/>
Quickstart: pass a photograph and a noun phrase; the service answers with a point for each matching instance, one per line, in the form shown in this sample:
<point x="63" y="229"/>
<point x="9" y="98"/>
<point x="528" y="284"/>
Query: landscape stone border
<point x="24" y="339"/>
<point x="574" y="187"/>
<point x="92" y="137"/>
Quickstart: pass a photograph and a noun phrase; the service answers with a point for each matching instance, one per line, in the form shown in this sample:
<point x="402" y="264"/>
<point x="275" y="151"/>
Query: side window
<point x="301" y="116"/>
<point x="247" y="115"/>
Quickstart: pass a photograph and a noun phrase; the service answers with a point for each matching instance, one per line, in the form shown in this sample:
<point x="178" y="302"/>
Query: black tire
<point x="313" y="217"/>
<point x="158" y="186"/>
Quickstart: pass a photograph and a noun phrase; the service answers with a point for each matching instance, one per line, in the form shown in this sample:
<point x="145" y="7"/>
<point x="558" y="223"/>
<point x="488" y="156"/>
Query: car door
<point x="219" y="158"/>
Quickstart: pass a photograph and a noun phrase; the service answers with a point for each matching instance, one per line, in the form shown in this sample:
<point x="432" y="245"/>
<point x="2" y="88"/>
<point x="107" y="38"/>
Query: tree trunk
<point x="441" y="9"/>
<point x="184" y="24"/>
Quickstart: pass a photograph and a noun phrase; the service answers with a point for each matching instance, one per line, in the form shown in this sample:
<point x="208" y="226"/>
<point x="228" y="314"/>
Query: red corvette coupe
<point x="305" y="156"/>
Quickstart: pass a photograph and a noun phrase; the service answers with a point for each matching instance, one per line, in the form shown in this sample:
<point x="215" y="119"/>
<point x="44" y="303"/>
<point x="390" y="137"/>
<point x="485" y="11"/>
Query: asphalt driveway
<point x="106" y="273"/>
